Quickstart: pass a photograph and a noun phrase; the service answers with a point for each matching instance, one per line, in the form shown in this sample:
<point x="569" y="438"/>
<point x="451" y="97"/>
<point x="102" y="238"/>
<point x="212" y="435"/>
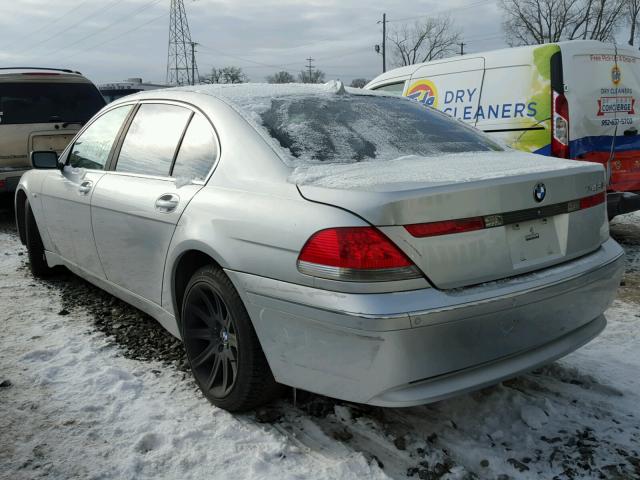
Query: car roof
<point x="41" y="74"/>
<point x="243" y="93"/>
<point x="245" y="97"/>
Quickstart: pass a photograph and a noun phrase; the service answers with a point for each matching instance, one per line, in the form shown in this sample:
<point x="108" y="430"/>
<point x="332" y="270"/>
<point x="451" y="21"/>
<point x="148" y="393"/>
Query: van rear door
<point x="602" y="84"/>
<point x="625" y="166"/>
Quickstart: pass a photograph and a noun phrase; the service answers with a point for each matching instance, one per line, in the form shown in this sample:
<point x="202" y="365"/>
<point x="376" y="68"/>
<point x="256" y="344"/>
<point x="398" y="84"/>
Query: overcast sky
<point x="110" y="40"/>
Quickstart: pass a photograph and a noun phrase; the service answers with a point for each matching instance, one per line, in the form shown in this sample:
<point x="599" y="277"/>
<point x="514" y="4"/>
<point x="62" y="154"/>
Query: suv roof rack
<point x="66" y="70"/>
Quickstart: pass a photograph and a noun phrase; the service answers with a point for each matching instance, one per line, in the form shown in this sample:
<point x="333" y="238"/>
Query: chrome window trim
<point x="67" y="150"/>
<point x="194" y="109"/>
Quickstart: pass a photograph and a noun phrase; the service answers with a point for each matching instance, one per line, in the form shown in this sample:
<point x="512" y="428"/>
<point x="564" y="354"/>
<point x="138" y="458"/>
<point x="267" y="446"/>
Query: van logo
<point x="425" y="92"/>
<point x="616" y="75"/>
<point x="539" y="192"/>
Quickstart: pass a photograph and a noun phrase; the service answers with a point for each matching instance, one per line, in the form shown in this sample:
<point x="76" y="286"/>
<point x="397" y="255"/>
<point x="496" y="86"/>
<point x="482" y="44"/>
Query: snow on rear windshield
<point x="354" y="128"/>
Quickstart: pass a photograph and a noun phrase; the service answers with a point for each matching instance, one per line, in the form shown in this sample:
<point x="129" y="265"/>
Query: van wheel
<point x="35" y="248"/>
<point x="222" y="347"/>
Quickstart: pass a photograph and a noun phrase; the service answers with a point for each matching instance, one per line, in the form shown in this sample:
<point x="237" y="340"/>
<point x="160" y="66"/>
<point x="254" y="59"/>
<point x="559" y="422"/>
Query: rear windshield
<point x="354" y="128"/>
<point x="48" y="102"/>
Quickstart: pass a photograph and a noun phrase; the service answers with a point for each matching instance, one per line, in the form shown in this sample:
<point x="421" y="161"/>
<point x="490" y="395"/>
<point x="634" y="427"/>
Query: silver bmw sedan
<point x="348" y="243"/>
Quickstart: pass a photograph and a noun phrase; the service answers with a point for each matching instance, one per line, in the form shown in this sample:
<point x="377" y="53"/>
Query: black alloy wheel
<point x="222" y="347"/>
<point x="211" y="339"/>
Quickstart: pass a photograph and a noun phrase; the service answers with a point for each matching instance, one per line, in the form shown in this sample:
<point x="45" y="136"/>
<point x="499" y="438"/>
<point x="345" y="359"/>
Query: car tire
<point x="222" y="347"/>
<point x="35" y="248"/>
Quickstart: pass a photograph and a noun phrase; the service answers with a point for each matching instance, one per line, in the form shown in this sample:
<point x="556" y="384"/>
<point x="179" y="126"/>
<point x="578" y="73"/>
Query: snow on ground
<point x="80" y="407"/>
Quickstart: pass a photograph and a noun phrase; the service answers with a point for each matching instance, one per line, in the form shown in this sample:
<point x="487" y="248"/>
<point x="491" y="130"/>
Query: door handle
<point x="85" y="187"/>
<point x="167" y="203"/>
<point x="631" y="132"/>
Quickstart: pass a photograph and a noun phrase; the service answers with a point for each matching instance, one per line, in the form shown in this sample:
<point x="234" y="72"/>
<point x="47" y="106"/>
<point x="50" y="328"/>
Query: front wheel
<point x="222" y="347"/>
<point x="35" y="248"/>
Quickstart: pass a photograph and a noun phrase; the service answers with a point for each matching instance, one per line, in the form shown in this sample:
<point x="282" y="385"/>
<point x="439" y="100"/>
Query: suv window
<point x="198" y="150"/>
<point x="92" y="148"/>
<point x="22" y="103"/>
<point x="152" y="139"/>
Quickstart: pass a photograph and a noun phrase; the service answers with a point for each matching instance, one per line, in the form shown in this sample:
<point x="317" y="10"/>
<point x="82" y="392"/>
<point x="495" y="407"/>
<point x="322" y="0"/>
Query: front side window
<point x="392" y="88"/>
<point x="23" y="102"/>
<point x="198" y="150"/>
<point x="152" y="139"/>
<point x="91" y="149"/>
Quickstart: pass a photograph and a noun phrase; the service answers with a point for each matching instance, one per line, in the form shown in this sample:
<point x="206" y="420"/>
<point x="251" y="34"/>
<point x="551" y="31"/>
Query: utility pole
<point x="310" y="67"/>
<point x="193" y="62"/>
<point x="181" y="67"/>
<point x="384" y="42"/>
<point x="462" y="44"/>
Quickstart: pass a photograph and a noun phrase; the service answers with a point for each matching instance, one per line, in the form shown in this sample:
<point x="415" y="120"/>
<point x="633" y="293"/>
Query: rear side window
<point x="392" y="88"/>
<point x="354" y="128"/>
<point x="22" y="103"/>
<point x="198" y="150"/>
<point x="152" y="139"/>
<point x="92" y="148"/>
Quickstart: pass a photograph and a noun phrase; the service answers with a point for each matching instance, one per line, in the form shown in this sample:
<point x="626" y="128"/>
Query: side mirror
<point x="44" y="159"/>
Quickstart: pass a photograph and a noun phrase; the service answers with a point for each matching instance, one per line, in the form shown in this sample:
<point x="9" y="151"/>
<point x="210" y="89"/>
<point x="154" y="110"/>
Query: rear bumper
<point x="619" y="203"/>
<point x="410" y="348"/>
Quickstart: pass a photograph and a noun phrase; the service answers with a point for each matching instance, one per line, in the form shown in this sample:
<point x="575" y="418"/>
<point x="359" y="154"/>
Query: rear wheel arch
<point x="20" y="203"/>
<point x="188" y="263"/>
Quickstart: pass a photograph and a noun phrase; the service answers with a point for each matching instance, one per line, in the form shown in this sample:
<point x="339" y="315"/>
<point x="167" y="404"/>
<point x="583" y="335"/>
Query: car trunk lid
<point x="493" y="186"/>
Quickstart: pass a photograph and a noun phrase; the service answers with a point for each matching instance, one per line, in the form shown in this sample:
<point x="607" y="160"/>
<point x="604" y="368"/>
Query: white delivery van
<point x="577" y="99"/>
<point x="40" y="109"/>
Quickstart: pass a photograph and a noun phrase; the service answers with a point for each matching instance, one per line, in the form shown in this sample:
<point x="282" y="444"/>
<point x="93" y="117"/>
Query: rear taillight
<point x="560" y="126"/>
<point x="593" y="200"/>
<point x="355" y="254"/>
<point x="445" y="227"/>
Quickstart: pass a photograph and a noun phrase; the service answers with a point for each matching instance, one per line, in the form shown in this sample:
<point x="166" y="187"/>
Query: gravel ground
<point x="572" y="419"/>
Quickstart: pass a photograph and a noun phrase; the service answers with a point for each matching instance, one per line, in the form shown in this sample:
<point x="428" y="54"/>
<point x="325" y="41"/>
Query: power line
<point x="118" y="36"/>
<point x="115" y="22"/>
<point x="48" y="24"/>
<point x="109" y="6"/>
<point x="446" y="10"/>
<point x="218" y="52"/>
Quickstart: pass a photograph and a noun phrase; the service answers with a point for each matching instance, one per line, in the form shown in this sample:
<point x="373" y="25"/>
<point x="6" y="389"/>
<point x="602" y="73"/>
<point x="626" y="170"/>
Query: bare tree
<point x="281" y="77"/>
<point x="419" y="42"/>
<point x="633" y="7"/>
<point x="228" y="74"/>
<point x="528" y="22"/>
<point x="313" y="76"/>
<point x="359" y="82"/>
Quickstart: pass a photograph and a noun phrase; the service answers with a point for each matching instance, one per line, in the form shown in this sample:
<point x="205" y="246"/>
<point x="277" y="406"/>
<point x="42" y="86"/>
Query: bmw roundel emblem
<point x="539" y="192"/>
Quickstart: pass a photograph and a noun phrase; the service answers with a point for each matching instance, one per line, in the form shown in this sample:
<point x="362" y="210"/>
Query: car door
<point x="66" y="195"/>
<point x="163" y="162"/>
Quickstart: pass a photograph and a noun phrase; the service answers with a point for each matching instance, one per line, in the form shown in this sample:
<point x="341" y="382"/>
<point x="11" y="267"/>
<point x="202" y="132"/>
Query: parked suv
<point x="40" y="109"/>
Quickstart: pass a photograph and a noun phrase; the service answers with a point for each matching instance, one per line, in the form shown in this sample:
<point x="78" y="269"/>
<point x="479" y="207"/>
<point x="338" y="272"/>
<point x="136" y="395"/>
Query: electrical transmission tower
<point x="181" y="61"/>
